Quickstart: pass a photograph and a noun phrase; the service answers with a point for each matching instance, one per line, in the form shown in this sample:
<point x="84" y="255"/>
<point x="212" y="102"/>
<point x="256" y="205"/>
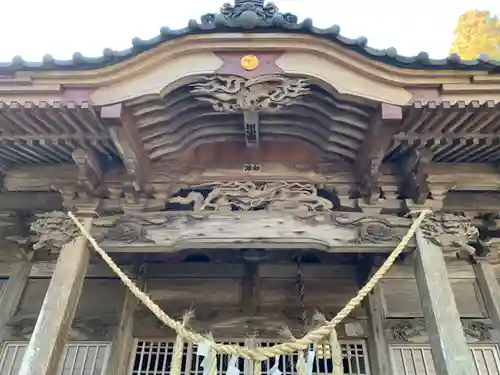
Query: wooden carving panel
<point x="402" y="299"/>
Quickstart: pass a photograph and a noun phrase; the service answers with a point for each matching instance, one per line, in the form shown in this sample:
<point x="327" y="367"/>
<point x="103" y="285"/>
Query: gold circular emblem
<point x="249" y="62"/>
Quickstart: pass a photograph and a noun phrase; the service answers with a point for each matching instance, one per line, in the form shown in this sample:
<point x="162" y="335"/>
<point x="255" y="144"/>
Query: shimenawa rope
<point x="259" y="353"/>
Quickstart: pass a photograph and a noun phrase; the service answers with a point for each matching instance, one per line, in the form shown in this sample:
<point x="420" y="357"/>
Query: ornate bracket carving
<point x="452" y="231"/>
<point x="238" y="94"/>
<point x="385" y="124"/>
<point x="53" y="230"/>
<point x="414" y="182"/>
<point x="89" y="173"/>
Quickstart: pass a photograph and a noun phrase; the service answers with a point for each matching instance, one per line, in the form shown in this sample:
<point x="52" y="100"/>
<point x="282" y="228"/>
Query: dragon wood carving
<point x="249" y="196"/>
<point x="263" y="93"/>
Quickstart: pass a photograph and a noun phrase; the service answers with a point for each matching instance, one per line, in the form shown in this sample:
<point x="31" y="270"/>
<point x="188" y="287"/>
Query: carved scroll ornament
<point x="53" y="230"/>
<point x="249" y="196"/>
<point x="371" y="229"/>
<point x="450" y="230"/>
<point x="130" y="229"/>
<point x="263" y="93"/>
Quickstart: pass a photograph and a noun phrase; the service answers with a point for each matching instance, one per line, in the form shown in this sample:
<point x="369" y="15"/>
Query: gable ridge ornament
<point x="249" y="14"/>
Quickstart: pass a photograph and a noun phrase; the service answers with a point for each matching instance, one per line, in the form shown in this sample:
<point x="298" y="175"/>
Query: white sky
<point x="31" y="28"/>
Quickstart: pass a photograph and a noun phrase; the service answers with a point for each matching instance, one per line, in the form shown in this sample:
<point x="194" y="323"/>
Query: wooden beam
<point x="32" y="201"/>
<point x="250" y="288"/>
<point x="450" y="352"/>
<point x="384" y="126"/>
<point x="174" y="231"/>
<point x="456" y="201"/>
<point x="43" y="354"/>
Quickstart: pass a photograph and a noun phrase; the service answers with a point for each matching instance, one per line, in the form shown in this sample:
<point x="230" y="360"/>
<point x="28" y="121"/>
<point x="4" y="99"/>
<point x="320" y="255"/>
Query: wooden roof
<point x="250" y="16"/>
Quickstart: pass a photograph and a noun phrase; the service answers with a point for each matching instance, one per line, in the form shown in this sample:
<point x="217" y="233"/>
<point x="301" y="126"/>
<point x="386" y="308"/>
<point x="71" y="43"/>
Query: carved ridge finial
<point x="249" y="14"/>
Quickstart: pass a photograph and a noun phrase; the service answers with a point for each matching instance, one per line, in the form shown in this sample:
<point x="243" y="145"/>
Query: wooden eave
<point x="52" y="84"/>
<point x="48" y="133"/>
<point x="453" y="132"/>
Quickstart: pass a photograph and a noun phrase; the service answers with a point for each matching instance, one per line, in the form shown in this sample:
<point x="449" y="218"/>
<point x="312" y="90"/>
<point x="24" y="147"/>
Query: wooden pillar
<point x="490" y="289"/>
<point x="446" y="335"/>
<point x="378" y="347"/>
<point x="12" y="292"/>
<point x="121" y="348"/>
<point x="54" y="321"/>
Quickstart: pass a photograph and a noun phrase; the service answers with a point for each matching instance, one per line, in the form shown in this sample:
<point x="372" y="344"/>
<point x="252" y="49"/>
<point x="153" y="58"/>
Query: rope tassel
<point x="336" y="350"/>
<point x="176" y="364"/>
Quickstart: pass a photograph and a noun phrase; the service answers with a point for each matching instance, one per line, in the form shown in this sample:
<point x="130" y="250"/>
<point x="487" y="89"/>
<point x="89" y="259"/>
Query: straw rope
<point x="259" y="353"/>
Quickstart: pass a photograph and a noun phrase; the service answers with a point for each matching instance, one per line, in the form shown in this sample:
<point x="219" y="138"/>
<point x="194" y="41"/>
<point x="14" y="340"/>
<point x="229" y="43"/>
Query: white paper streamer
<point x="275" y="369"/>
<point x="232" y="369"/>
<point x="309" y="361"/>
<point x="203" y="351"/>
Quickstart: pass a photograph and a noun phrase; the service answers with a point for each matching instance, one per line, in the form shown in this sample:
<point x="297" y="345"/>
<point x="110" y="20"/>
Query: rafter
<point x="381" y="131"/>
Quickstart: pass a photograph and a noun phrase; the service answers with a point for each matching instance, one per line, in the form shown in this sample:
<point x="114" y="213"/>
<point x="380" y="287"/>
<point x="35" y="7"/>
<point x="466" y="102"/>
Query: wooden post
<point x="12" y="293"/>
<point x="121" y="348"/>
<point x="490" y="289"/>
<point x="446" y="335"/>
<point x="377" y="342"/>
<point x="54" y="321"/>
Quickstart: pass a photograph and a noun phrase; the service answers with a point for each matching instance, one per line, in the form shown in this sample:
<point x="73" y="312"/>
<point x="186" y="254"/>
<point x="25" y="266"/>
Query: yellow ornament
<point x="249" y="62"/>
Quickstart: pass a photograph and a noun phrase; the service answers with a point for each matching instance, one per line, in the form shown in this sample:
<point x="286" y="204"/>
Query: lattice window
<point x="153" y="358"/>
<point x="78" y="358"/>
<point x="417" y="360"/>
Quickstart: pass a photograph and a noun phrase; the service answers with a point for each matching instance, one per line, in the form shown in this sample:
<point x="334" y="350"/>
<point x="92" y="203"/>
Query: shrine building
<point x="256" y="171"/>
